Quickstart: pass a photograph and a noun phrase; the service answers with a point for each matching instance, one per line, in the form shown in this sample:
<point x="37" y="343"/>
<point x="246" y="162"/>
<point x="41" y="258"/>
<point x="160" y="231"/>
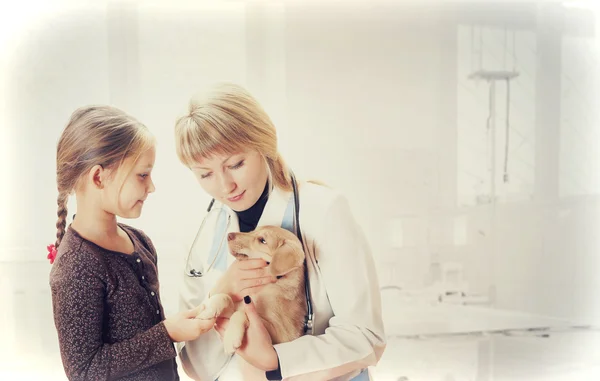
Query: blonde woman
<point x="230" y="145"/>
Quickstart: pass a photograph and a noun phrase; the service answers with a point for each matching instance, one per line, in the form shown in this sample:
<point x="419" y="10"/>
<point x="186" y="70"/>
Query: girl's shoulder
<point x="140" y="236"/>
<point x="76" y="258"/>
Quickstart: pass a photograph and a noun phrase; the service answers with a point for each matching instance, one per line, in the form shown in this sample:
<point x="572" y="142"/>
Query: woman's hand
<point x="245" y="277"/>
<point x="185" y="327"/>
<point x="257" y="348"/>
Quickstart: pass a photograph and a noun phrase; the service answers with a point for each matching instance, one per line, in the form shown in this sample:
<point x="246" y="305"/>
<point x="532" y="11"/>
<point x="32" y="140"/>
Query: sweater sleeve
<point x="78" y="295"/>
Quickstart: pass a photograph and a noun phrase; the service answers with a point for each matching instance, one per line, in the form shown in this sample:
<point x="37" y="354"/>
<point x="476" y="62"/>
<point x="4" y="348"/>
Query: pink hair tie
<point x="51" y="253"/>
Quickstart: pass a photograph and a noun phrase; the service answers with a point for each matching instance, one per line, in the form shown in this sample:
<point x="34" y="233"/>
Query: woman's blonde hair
<point x="228" y="120"/>
<point x="95" y="135"/>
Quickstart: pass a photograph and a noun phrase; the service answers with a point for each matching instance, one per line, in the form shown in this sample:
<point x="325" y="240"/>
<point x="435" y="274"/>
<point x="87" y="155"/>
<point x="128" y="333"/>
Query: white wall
<point x="364" y="87"/>
<point x="53" y="62"/>
<point x="54" y="58"/>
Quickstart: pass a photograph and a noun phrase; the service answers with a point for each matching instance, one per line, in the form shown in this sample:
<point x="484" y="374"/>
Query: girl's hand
<point x="245" y="277"/>
<point x="185" y="327"/>
<point x="257" y="348"/>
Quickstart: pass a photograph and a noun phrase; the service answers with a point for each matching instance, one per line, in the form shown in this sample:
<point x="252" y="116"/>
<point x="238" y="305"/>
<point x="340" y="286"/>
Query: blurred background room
<point x="465" y="135"/>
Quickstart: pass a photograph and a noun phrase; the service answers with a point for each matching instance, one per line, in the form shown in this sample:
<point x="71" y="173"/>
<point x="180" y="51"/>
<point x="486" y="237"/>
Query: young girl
<point x="230" y="144"/>
<point x="104" y="281"/>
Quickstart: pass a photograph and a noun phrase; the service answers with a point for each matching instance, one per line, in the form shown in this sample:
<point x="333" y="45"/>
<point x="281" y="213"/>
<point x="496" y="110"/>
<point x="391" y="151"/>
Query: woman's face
<point x="236" y="180"/>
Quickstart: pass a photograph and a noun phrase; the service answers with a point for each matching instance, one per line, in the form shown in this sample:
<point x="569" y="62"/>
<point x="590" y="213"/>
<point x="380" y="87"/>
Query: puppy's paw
<point x="231" y="344"/>
<point x="222" y="304"/>
<point x="207" y="313"/>
<point x="216" y="306"/>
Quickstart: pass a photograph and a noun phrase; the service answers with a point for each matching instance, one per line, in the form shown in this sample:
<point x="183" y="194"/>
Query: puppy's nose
<point x="230" y="236"/>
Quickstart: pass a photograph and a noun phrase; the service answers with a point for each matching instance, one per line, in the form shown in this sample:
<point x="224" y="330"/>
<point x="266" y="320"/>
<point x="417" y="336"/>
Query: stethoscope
<point x="192" y="272"/>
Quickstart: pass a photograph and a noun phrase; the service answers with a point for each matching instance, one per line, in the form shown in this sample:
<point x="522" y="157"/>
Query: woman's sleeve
<point x="355" y="338"/>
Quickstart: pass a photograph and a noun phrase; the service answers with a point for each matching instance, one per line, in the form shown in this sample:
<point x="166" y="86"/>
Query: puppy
<point x="281" y="305"/>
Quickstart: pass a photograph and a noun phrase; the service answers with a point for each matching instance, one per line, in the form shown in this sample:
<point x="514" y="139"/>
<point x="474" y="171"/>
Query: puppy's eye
<point x="262" y="240"/>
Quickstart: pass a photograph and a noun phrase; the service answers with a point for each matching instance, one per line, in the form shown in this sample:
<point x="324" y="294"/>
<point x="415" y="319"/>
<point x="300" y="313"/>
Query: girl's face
<point x="125" y="197"/>
<point x="236" y="180"/>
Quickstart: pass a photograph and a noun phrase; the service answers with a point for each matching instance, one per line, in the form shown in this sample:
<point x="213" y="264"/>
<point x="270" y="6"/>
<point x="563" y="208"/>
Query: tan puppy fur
<point x="281" y="305"/>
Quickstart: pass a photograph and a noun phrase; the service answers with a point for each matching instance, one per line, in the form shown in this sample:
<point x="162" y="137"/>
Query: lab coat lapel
<point x="234" y="227"/>
<point x="275" y="208"/>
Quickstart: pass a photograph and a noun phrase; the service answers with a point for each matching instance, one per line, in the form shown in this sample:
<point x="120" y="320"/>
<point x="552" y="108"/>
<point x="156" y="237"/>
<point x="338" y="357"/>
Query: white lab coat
<point x="348" y="327"/>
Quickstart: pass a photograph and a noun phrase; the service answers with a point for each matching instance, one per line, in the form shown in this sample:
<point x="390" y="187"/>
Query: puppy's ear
<point x="287" y="257"/>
